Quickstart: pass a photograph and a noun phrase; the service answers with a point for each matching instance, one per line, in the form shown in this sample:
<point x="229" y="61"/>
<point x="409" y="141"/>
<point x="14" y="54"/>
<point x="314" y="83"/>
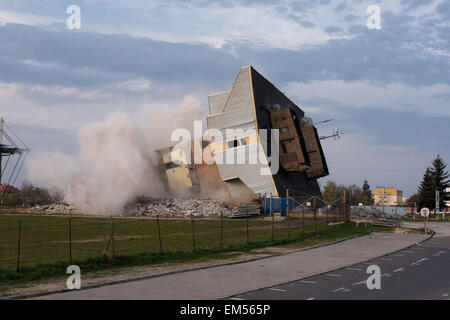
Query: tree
<point x="412" y="200"/>
<point x="330" y="192"/>
<point x="440" y="180"/>
<point x="354" y="195"/>
<point x="434" y="179"/>
<point x="366" y="194"/>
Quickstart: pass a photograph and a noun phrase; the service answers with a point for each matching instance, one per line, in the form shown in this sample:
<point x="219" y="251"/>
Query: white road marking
<point x="307" y="281"/>
<point x="423" y="259"/>
<point x="414" y="264"/>
<point x="438" y="253"/>
<point x="275" y="289"/>
<point x="236" y="299"/>
<point x="386" y="275"/>
<point x="312" y="298"/>
<point x="353" y="269"/>
<point x="333" y="275"/>
<point x="399" y="269"/>
<point x="445" y="294"/>
<point x="340" y="289"/>
<point x="361" y="282"/>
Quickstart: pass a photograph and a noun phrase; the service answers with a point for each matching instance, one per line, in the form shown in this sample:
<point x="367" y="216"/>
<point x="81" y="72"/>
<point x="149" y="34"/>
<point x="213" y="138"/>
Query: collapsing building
<point x="249" y="159"/>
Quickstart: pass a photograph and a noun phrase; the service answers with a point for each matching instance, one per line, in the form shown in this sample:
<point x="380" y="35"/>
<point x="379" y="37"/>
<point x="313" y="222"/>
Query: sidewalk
<point x="224" y="281"/>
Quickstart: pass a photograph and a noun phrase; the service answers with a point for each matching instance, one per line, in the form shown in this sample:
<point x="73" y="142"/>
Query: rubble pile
<point x="367" y="212"/>
<point x="178" y="207"/>
<point x="54" y="208"/>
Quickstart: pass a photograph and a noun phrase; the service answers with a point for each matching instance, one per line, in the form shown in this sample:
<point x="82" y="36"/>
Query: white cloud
<point x="25" y="18"/>
<point x="140" y="84"/>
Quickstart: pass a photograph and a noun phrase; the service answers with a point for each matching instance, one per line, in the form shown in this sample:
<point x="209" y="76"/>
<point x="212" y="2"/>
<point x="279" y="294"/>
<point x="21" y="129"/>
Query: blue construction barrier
<point x="278" y="205"/>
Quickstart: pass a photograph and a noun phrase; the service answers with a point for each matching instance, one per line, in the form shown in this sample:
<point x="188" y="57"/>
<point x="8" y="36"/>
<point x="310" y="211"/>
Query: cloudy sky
<point x="388" y="88"/>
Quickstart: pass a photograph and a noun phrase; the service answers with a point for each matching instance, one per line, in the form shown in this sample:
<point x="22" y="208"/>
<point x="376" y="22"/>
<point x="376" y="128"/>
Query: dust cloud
<point x="116" y="162"/>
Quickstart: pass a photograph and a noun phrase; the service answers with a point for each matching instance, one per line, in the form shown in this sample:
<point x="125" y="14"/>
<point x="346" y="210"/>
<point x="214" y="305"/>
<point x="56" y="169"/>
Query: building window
<point x="236" y="143"/>
<point x="232" y="144"/>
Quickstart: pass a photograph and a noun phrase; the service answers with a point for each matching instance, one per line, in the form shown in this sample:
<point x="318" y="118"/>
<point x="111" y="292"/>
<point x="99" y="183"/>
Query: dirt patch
<point x="406" y="230"/>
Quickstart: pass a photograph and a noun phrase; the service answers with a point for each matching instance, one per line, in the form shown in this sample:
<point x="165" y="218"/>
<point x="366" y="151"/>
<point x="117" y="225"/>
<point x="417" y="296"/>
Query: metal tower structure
<point x="15" y="154"/>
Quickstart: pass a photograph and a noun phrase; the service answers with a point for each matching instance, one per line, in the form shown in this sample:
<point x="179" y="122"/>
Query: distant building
<point x="387" y="196"/>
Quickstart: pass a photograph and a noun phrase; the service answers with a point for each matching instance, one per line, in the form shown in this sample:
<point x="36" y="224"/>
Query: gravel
<point x="178" y="207"/>
<point x="364" y="212"/>
<point x="153" y="206"/>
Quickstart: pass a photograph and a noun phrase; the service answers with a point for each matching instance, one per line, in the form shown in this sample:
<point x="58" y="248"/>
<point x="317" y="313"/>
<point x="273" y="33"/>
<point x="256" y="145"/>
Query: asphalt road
<point x="419" y="272"/>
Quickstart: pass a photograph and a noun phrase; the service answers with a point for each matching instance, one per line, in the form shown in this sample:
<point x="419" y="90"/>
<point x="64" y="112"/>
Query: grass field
<point x="44" y="245"/>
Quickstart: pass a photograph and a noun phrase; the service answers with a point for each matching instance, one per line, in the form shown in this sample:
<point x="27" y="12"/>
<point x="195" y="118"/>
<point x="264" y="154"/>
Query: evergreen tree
<point x="440" y="181"/>
<point x="426" y="193"/>
<point x="366" y="194"/>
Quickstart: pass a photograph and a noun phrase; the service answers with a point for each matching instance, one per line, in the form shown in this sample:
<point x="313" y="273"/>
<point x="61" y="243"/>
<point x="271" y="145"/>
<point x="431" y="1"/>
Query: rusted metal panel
<point x="291" y="155"/>
<point x="316" y="157"/>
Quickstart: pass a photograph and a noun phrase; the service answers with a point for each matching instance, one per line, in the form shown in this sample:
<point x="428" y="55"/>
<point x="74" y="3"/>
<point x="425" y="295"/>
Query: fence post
<point x="273" y="219"/>
<point x="70" y="239"/>
<point x="159" y="235"/>
<point x="248" y="239"/>
<point x="303" y="222"/>
<point x="315" y="221"/>
<point x="18" y="247"/>
<point x="315" y="215"/>
<point x="221" y="230"/>
<point x="287" y="202"/>
<point x="193" y="233"/>
<point x="265" y="203"/>
<point x="334" y="218"/>
<point x="289" y="229"/>
<point x="326" y="220"/>
<point x="345" y="204"/>
<point x="112" y="237"/>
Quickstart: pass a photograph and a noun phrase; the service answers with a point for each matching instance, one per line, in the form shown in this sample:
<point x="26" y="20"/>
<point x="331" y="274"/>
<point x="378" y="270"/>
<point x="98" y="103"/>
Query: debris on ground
<point x="171" y="207"/>
<point x="178" y="207"/>
<point x="54" y="208"/>
<point x="367" y="212"/>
